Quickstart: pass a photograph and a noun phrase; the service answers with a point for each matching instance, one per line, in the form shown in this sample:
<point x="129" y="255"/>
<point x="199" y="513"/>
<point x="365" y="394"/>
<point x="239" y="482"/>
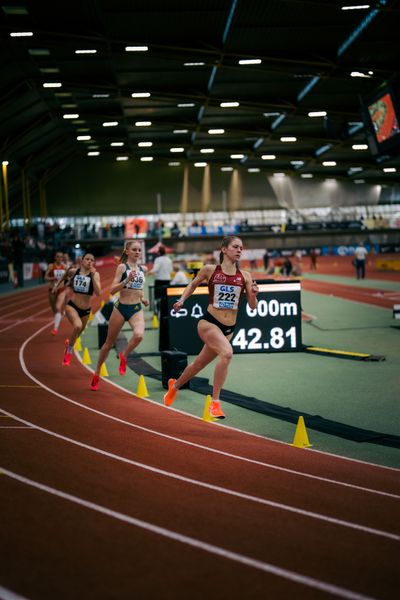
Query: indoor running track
<point x="106" y="495"/>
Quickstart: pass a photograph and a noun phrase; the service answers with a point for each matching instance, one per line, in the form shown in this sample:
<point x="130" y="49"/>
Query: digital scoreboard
<point x="274" y="326"/>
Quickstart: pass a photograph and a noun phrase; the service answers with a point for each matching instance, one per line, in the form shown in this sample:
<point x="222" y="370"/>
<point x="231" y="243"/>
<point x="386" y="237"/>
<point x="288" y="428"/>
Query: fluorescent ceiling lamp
<point x="255" y="170"/>
<point x="279" y="175"/>
<point x="353" y="170"/>
<point x="21" y="34"/>
<point x="145" y="144"/>
<point x="306" y="176"/>
<point x="39" y="52"/>
<point x="389" y="170"/>
<point x="83" y="138"/>
<point x="136" y="48"/>
<point x="229" y="104"/>
<point x="146" y="158"/>
<point x="71" y="116"/>
<point x="297" y="163"/>
<point x="52" y="85"/>
<point x="15" y="10"/>
<point x="141" y="95"/>
<point x="69" y="106"/>
<point x="329" y="163"/>
<point x="5" y="163"/>
<point x="177" y="149"/>
<point x="288" y="139"/>
<point x="100" y="95"/>
<point x="143" y="123"/>
<point x="89" y="51"/>
<point x="47" y="70"/>
<point x="207" y="150"/>
<point x="174" y="164"/>
<point x="200" y="164"/>
<point x="359" y="74"/>
<point x="194" y="64"/>
<point x="181" y="131"/>
<point x="356" y="7"/>
<point x="93" y="153"/>
<point x="82" y="129"/>
<point x="186" y="105"/>
<point x="250" y="61"/>
<point x="237" y="155"/>
<point x="359" y="181"/>
<point x="116" y="144"/>
<point x="216" y="131"/>
<point x="119" y="158"/>
<point x="63" y="94"/>
<point x="268" y="157"/>
<point x="360" y="146"/>
<point x="271" y="114"/>
<point x="92" y="147"/>
<point x="317" y="113"/>
<point x="226" y="168"/>
<point x="110" y="123"/>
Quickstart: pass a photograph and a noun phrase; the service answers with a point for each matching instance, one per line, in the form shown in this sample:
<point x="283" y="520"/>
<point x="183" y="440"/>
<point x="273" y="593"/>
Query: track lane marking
<point x="194" y="542"/>
<point x="194" y="444"/>
<point x="212" y="487"/>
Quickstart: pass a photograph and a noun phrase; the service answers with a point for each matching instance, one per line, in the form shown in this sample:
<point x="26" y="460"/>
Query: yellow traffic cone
<point x="86" y="357"/>
<point x="206" y="412"/>
<point x="142" y="388"/>
<point x="90" y="316"/>
<point x="78" y="345"/>
<point x="300" y="437"/>
<point x="103" y="370"/>
<point x="155" y="323"/>
<point x="102" y="303"/>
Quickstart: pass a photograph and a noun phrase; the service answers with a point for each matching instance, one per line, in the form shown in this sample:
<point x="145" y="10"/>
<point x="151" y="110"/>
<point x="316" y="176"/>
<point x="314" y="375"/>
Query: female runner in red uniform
<point x="129" y="282"/>
<point x="226" y="284"/>
<point x="55" y="272"/>
<point x="83" y="281"/>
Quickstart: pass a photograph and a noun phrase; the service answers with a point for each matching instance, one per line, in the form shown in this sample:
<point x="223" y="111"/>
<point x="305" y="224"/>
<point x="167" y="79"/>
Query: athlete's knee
<point x="138" y="337"/>
<point x="226" y="354"/>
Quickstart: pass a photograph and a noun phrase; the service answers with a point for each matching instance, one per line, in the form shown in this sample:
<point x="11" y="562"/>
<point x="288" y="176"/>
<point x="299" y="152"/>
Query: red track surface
<point x="238" y="516"/>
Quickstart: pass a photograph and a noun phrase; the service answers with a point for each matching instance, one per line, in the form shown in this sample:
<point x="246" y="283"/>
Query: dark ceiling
<point x="307" y="52"/>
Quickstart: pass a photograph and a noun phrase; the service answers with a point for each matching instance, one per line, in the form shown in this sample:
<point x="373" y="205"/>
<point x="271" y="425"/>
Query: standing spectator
<point x="313" y="259"/>
<point x="266" y="260"/>
<point x="180" y="277"/>
<point x="162" y="268"/>
<point x="360" y="256"/>
<point x="17" y="255"/>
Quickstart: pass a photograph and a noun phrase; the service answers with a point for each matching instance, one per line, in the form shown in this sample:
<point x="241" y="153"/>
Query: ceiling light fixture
<point x="216" y="131"/>
<point x="390" y="170"/>
<point x="177" y="149"/>
<point x="360" y="146"/>
<point x="329" y="163"/>
<point x="268" y="157"/>
<point x="229" y="104"/>
<point x="71" y="116"/>
<point x="146" y="158"/>
<point x="89" y="51"/>
<point x="186" y="105"/>
<point x="143" y="123"/>
<point x="255" y="170"/>
<point x="56" y="84"/>
<point x="250" y="61"/>
<point x="120" y="158"/>
<point x="226" y="168"/>
<point x="21" y="34"/>
<point x="317" y="113"/>
<point x="145" y="144"/>
<point x="174" y="164"/>
<point x="207" y="150"/>
<point x="110" y="123"/>
<point x="93" y="153"/>
<point x="288" y="139"/>
<point x="194" y="64"/>
<point x="200" y="164"/>
<point x="180" y="131"/>
<point x="237" y="156"/>
<point x="356" y="7"/>
<point x="136" y="48"/>
<point x="141" y="95"/>
<point x="117" y="144"/>
<point x="83" y="138"/>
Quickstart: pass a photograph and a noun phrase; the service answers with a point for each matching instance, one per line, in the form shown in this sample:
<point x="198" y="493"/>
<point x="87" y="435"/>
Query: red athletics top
<point x="56" y="271"/>
<point x="224" y="291"/>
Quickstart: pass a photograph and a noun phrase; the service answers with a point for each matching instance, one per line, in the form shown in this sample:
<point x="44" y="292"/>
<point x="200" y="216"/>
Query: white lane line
<point x="196" y="543"/>
<point x="215" y="488"/>
<point x="27" y="307"/>
<point x="192" y="444"/>
<point x="31" y="318"/>
<point x="6" y="594"/>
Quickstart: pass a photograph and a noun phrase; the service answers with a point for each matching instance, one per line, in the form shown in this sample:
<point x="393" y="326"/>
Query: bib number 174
<point x="251" y="339"/>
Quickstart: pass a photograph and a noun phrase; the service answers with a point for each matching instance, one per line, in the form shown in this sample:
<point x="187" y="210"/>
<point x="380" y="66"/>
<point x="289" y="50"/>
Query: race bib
<point x="81" y="284"/>
<point x="226" y="296"/>
<point x="137" y="283"/>
<point x="58" y="273"/>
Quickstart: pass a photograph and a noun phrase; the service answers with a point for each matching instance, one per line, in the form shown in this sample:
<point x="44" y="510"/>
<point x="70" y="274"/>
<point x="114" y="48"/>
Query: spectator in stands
<point x="360" y="259"/>
<point x="17" y="255"/>
<point x="175" y="231"/>
<point x="266" y="260"/>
